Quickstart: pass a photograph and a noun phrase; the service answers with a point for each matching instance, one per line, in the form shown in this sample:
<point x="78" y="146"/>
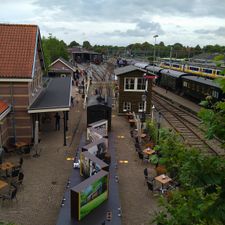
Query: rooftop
<point x="17" y="49"/>
<point x="56" y="97"/>
<point x="127" y="69"/>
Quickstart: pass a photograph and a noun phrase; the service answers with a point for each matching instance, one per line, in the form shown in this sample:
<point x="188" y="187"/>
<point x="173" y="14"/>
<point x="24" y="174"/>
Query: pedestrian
<point x="72" y="103"/>
<point x="57" y="121"/>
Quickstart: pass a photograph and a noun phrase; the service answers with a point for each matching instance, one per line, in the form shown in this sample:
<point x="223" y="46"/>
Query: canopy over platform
<point x="55" y="97"/>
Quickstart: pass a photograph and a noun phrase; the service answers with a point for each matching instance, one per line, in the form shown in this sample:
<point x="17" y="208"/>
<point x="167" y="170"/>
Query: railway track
<point x="187" y="125"/>
<point x="102" y="79"/>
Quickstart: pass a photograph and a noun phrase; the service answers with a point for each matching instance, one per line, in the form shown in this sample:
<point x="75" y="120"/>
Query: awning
<point x="4" y="109"/>
<point x="55" y="97"/>
<point x="150" y="76"/>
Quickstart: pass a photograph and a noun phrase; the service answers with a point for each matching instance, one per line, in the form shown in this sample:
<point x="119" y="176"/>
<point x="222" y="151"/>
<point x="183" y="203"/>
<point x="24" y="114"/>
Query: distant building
<point x="60" y="67"/>
<point x="135" y="92"/>
<point x="80" y="55"/>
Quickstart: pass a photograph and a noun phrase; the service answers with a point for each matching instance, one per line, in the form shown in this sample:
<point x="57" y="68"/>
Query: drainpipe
<point x="13" y="111"/>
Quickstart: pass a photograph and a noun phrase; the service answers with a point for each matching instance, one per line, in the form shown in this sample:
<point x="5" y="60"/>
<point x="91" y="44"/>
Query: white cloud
<point x="119" y="22"/>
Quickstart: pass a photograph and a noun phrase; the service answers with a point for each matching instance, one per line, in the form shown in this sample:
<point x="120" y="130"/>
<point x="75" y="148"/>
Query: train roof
<point x="154" y="68"/>
<point x="202" y="80"/>
<point x="141" y="64"/>
<point x="173" y="73"/>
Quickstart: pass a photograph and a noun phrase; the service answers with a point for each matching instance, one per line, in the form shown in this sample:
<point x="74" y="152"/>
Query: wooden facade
<point x="134" y="97"/>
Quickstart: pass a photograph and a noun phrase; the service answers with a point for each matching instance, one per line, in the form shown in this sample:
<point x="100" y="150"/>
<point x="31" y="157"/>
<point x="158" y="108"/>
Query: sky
<point x="122" y="22"/>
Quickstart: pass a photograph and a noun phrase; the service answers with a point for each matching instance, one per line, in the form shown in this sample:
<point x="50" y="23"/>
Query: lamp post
<point x="158" y="125"/>
<point x="155" y="36"/>
<point x="153" y="107"/>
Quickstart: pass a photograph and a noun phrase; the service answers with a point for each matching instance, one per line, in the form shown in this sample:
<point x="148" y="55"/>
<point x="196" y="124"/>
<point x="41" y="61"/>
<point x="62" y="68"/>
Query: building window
<point x="129" y="83"/>
<point x="126" y="106"/>
<point x="141" y="83"/>
<point x="141" y="106"/>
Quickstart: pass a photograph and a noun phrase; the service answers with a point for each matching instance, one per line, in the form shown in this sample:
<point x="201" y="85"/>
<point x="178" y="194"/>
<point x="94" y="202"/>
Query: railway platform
<point x="185" y="103"/>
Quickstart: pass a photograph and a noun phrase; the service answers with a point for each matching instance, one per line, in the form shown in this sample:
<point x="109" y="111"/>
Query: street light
<point x="155" y="36"/>
<point x="153" y="107"/>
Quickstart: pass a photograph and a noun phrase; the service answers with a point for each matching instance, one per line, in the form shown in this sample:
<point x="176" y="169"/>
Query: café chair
<point x="151" y="186"/>
<point x="11" y="195"/>
<point x="15" y="171"/>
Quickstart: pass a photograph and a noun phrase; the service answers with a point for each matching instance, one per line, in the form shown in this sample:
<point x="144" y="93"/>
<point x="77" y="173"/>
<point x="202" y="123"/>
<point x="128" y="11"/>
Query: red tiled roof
<point x="3" y="106"/>
<point x="17" y="46"/>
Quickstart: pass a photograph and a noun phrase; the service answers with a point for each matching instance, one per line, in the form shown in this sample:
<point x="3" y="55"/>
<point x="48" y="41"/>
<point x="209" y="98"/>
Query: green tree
<point x="87" y="45"/>
<point x="53" y="49"/>
<point x="213" y="117"/>
<point x="73" y="44"/>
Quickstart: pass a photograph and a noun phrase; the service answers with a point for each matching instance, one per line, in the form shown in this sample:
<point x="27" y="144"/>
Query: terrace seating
<point x="151" y="186"/>
<point x="15" y="171"/>
<point x="11" y="195"/>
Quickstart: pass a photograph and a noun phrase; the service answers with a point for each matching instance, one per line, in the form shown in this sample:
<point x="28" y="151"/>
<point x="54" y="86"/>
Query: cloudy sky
<point x="122" y="22"/>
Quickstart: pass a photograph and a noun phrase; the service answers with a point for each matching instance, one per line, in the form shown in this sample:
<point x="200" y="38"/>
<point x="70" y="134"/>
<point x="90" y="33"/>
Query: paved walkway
<point x="138" y="203"/>
<point x="46" y="177"/>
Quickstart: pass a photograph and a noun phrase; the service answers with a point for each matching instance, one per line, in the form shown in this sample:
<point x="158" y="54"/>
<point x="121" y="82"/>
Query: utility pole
<point x="171" y="50"/>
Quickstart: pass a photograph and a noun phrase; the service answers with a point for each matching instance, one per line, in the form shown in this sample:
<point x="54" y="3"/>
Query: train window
<point x="141" y="83"/>
<point x="194" y="68"/>
<point x="126" y="106"/>
<point x="218" y="72"/>
<point x="176" y="66"/>
<point x="215" y="94"/>
<point x="185" y="84"/>
<point x="209" y="71"/>
<point x="129" y="83"/>
<point x="197" y="88"/>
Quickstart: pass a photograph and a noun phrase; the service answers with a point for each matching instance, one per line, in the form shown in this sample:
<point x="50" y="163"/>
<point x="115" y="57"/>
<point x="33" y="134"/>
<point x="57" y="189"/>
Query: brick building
<point x="134" y="90"/>
<point x="61" y="67"/>
<point x="21" y="70"/>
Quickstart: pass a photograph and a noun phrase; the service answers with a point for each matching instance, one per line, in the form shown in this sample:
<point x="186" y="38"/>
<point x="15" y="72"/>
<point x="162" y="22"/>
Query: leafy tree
<point x="73" y="44"/>
<point x="53" y="49"/>
<point x="87" y="45"/>
<point x="213" y="117"/>
<point x="218" y="58"/>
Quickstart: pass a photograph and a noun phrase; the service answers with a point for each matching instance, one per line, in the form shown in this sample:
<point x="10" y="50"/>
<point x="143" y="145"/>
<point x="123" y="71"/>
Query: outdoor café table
<point x="19" y="145"/>
<point x="6" y="166"/>
<point x="148" y="151"/>
<point x="3" y="184"/>
<point x="163" y="179"/>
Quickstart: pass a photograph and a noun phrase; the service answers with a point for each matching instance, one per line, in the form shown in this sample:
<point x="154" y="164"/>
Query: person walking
<point x="57" y="121"/>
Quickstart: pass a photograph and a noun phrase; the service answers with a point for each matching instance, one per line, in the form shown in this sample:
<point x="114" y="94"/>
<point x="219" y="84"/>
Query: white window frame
<point x="142" y="106"/>
<point x="145" y="83"/>
<point x="126" y="106"/>
<point x="135" y="84"/>
<point x="125" y="82"/>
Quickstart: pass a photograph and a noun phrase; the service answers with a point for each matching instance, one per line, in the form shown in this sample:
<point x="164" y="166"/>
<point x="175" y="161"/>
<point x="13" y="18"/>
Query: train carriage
<point x="198" y="88"/>
<point x="171" y="79"/>
<point x="156" y="71"/>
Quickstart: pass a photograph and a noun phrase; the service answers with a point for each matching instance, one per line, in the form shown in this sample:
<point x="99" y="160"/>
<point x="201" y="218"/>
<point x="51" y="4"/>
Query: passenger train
<point x="200" y="70"/>
<point x="184" y="83"/>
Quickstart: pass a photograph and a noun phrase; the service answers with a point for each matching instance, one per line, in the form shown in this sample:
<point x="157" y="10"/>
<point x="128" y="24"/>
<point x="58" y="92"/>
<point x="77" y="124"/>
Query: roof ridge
<point x="13" y="24"/>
